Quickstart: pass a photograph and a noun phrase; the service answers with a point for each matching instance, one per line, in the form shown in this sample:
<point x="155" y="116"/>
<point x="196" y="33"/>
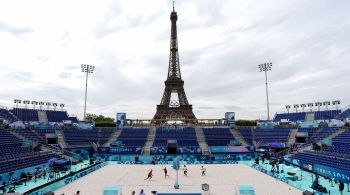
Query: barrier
<point x="111" y="190"/>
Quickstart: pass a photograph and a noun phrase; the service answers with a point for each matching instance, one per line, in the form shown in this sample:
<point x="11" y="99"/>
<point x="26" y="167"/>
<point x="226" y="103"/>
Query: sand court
<point x="222" y="179"/>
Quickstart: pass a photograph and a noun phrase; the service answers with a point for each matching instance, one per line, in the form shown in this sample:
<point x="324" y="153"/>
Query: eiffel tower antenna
<point x="173" y="110"/>
<point x="173" y="6"/>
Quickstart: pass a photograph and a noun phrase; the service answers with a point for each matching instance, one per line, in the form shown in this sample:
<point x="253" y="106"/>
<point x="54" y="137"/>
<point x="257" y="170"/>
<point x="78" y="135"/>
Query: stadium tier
<point x="299" y="116"/>
<point x="77" y="137"/>
<point x="133" y="137"/>
<point x="321" y="134"/>
<point x="7" y="115"/>
<point x="37" y="135"/>
<point x="264" y="136"/>
<point x="323" y="158"/>
<point x="247" y="134"/>
<point x="184" y="137"/>
<point x="56" y="116"/>
<point x="26" y="114"/>
<point x="13" y="156"/>
<point x="341" y="144"/>
<point x="343" y="115"/>
<point x="311" y="131"/>
<point x="218" y="136"/>
<point x="303" y="116"/>
<point x="33" y="115"/>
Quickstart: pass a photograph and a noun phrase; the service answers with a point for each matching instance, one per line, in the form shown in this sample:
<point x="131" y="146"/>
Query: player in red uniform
<point x="150" y="175"/>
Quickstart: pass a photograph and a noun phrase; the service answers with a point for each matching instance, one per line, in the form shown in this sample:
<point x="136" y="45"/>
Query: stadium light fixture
<point x="326" y="103"/>
<point x="34" y="103"/>
<point x="303" y="107"/>
<point x="48" y="104"/>
<point x="54" y="106"/>
<point x="61" y="105"/>
<point x="17" y="101"/>
<point x="88" y="69"/>
<point x="296" y="106"/>
<point x="310" y="105"/>
<point x="336" y="103"/>
<point x="26" y="102"/>
<point x="318" y="104"/>
<point x="264" y="68"/>
<point x="288" y="107"/>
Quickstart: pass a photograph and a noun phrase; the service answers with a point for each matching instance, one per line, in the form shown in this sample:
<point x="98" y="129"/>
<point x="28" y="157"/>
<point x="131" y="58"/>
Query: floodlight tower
<point x="288" y="107"/>
<point x="296" y="106"/>
<point x="88" y="69"/>
<point x="310" y="105"/>
<point x="264" y="68"/>
<point x="336" y="103"/>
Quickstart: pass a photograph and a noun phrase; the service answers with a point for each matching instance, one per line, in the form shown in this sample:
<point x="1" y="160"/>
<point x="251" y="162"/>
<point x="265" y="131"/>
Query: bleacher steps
<point x="113" y="137"/>
<point x="310" y="116"/>
<point x="291" y="139"/>
<point x="150" y="139"/>
<point x="334" y="134"/>
<point x="19" y="136"/>
<point x="238" y="136"/>
<point x="60" y="138"/>
<point x="42" y="116"/>
<point x="201" y="141"/>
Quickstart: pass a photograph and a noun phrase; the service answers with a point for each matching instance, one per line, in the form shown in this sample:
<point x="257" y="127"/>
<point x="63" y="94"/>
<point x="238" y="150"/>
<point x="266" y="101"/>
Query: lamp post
<point x="17" y="101"/>
<point x="310" y="105"/>
<point x="296" y="106"/>
<point x="326" y="103"/>
<point x="61" y="105"/>
<point x="303" y="107"/>
<point x="336" y="103"/>
<point x="288" y="107"/>
<point x="264" y="68"/>
<point x="318" y="104"/>
<point x="87" y="69"/>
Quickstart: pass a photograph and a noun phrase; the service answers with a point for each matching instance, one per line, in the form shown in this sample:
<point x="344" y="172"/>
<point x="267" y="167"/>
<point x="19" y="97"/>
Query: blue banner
<point x="230" y="118"/>
<point x="337" y="174"/>
<point x="231" y="149"/>
<point x="120" y="150"/>
<point x="120" y="120"/>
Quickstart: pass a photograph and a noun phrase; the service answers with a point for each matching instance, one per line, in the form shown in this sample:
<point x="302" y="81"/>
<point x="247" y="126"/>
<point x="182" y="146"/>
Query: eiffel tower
<point x="168" y="109"/>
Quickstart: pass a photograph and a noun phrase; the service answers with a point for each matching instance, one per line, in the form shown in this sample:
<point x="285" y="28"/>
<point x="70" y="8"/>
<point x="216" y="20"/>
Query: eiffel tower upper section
<point x="168" y="110"/>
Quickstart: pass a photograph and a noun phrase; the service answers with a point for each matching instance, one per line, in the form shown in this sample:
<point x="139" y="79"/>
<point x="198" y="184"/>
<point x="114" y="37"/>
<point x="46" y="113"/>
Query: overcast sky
<point x="221" y="43"/>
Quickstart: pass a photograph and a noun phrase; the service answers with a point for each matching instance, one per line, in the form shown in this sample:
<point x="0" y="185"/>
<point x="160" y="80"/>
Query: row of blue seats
<point x="218" y="136"/>
<point x="184" y="137"/>
<point x="247" y="134"/>
<point x="86" y="137"/>
<point x="312" y="158"/>
<point x="27" y="160"/>
<point x="271" y="135"/>
<point x="133" y="136"/>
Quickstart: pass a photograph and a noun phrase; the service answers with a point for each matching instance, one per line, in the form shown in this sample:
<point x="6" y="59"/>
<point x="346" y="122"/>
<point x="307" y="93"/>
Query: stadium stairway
<point x="113" y="137"/>
<point x="201" y="140"/>
<point x="150" y="139"/>
<point x="238" y="136"/>
<point x="291" y="139"/>
<point x="60" y="139"/>
<point x="310" y="116"/>
<point x="42" y="116"/>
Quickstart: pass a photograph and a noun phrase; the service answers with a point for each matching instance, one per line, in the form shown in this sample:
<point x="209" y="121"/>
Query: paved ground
<point x="222" y="180"/>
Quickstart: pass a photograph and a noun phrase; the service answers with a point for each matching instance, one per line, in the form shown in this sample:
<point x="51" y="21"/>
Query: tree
<point x="99" y="118"/>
